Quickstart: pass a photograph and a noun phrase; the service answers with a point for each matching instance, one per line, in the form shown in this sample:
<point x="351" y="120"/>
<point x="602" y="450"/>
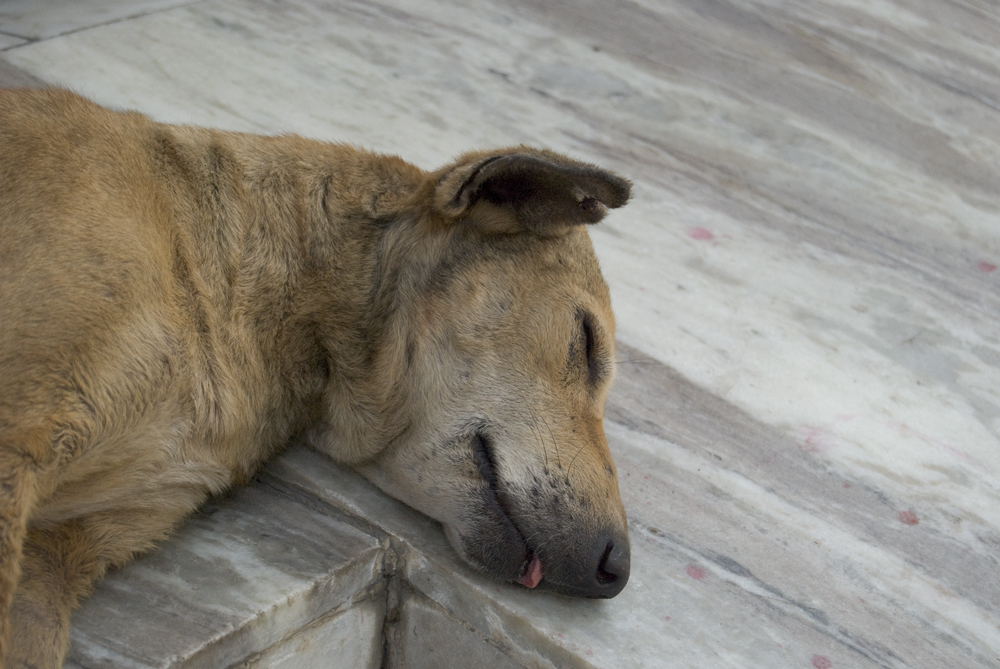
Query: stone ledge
<point x="249" y="573"/>
<point x="427" y="636"/>
<point x="533" y="629"/>
<point x="352" y="636"/>
<point x="312" y="564"/>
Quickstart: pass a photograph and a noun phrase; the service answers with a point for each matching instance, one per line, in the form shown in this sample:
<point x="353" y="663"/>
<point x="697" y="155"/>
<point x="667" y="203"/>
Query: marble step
<point x="290" y="571"/>
<point x="254" y="579"/>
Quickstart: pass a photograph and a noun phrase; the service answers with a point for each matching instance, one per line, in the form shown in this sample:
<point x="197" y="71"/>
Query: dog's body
<point x="176" y="303"/>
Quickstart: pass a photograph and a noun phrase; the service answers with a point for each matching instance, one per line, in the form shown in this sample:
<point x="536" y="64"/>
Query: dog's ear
<point x="531" y="190"/>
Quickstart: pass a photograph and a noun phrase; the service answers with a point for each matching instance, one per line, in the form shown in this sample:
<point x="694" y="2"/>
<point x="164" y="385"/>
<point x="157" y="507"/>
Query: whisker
<point x="640" y="361"/>
<point x="532" y="422"/>
<point x="555" y="442"/>
<point x="574" y="459"/>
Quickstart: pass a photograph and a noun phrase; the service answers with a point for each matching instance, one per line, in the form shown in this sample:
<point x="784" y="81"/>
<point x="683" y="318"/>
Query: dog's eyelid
<point x="592" y="348"/>
<point x="484" y="457"/>
<point x="589" y="336"/>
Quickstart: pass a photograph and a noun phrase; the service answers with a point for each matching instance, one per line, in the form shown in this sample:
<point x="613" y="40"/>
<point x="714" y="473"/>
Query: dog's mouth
<point x="531" y="572"/>
<point x="482" y="453"/>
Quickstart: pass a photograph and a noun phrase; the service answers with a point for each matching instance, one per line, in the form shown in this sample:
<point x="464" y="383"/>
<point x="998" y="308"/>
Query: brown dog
<point x="176" y="303"/>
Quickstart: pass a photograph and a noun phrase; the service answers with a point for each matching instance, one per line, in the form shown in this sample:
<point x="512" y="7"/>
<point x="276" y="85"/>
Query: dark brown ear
<point x="534" y="190"/>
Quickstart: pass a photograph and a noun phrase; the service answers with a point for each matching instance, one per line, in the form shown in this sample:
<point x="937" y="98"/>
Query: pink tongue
<point x="532" y="575"/>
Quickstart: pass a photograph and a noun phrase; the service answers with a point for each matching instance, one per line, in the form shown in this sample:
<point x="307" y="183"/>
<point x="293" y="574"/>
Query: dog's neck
<point x="298" y="238"/>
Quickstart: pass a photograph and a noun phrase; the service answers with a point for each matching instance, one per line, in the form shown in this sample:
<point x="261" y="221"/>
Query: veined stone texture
<point x="806" y="421"/>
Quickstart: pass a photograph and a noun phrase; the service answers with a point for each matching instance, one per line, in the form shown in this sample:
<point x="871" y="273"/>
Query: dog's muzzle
<point x="540" y="545"/>
<point x="598" y="569"/>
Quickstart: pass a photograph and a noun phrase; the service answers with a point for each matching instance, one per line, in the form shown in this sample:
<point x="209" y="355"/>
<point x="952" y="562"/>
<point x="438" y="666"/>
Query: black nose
<point x="610" y="568"/>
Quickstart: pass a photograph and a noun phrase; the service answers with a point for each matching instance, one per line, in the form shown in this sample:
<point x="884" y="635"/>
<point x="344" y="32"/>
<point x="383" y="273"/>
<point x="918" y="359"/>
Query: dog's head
<point x="509" y="355"/>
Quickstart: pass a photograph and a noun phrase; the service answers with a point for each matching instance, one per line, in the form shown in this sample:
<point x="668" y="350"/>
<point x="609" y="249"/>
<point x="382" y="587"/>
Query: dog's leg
<point x="59" y="567"/>
<point x="18" y="481"/>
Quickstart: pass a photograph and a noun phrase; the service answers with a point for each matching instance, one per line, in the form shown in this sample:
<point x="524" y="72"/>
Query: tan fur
<point x="177" y="302"/>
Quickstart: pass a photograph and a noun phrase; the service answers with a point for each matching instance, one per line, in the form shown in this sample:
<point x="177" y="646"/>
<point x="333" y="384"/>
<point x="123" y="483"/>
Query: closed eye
<point x="591" y="347"/>
<point x="482" y="455"/>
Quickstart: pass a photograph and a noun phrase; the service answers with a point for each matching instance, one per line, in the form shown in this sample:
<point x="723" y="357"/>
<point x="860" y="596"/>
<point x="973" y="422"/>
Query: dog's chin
<point x="490" y="542"/>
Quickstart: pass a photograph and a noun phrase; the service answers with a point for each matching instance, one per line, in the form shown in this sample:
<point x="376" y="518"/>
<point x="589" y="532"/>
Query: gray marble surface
<point x="807" y="417"/>
<point x="243" y="575"/>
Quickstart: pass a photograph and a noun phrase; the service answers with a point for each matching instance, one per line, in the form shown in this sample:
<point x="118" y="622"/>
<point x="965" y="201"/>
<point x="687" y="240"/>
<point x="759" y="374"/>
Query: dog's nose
<point x="611" y="558"/>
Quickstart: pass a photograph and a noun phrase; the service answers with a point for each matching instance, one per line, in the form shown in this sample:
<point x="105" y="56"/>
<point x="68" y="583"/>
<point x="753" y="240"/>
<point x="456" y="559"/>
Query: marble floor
<point x="806" y="420"/>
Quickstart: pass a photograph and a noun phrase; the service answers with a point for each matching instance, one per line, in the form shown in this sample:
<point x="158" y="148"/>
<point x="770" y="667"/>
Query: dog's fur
<point x="177" y="302"/>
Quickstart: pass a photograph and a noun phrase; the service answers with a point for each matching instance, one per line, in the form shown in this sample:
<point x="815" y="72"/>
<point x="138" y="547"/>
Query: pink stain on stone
<point x="815" y="440"/>
<point x="987" y="267"/>
<point x="821" y="662"/>
<point x="695" y="572"/>
<point x="700" y="233"/>
<point x="908" y="518"/>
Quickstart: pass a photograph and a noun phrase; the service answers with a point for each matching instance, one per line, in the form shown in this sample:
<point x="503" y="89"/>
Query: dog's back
<point x="152" y="351"/>
<point x="79" y="221"/>
<point x="109" y="355"/>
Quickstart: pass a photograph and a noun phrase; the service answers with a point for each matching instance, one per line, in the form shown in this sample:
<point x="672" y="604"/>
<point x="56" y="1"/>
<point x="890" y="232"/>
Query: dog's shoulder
<point x="27" y="103"/>
<point x="54" y="115"/>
